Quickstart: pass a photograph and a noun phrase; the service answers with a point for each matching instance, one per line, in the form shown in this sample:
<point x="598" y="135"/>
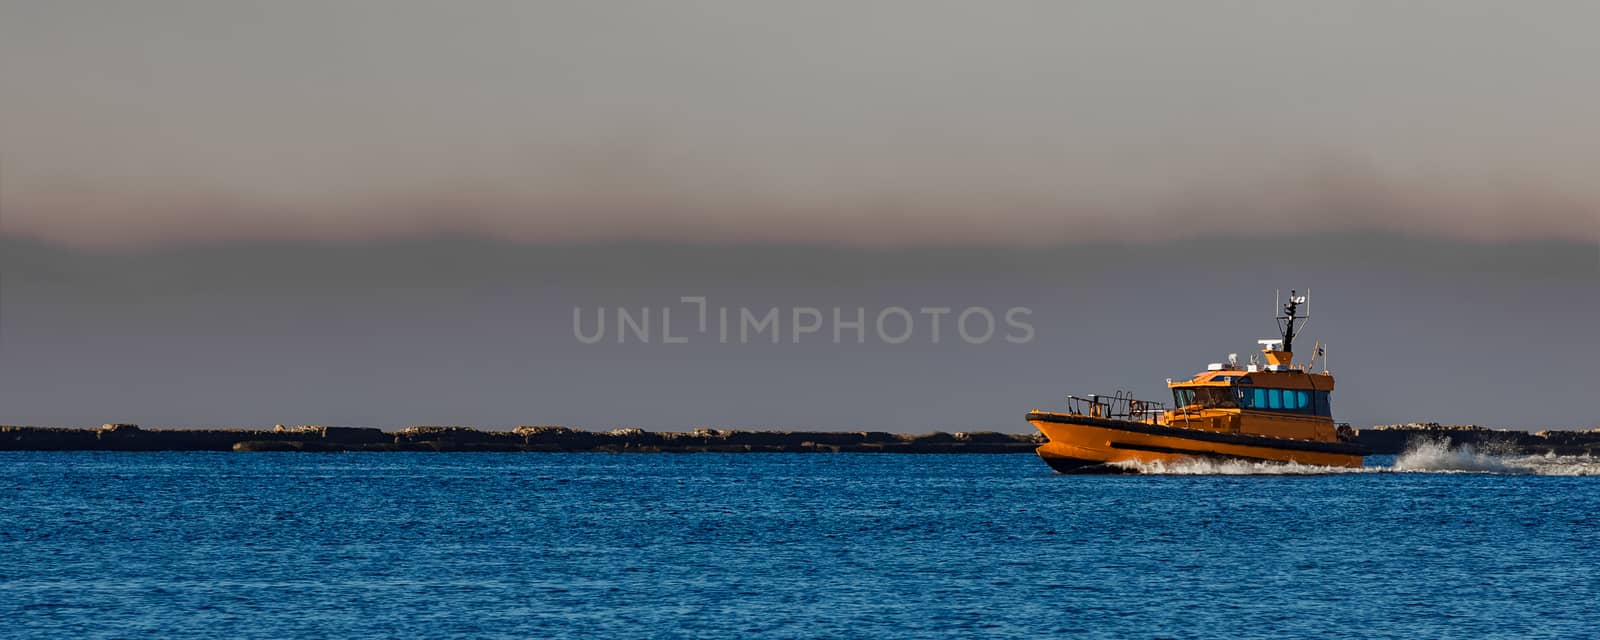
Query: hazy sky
<point x="385" y="212"/>
<point x="875" y="123"/>
<point x="453" y="331"/>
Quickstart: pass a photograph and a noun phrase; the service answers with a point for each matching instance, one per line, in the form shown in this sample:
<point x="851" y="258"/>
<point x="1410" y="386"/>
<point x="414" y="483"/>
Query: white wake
<point x="1424" y="456"/>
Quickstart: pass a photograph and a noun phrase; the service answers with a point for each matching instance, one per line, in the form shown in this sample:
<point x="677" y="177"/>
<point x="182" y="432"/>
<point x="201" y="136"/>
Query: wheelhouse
<point x="1245" y="394"/>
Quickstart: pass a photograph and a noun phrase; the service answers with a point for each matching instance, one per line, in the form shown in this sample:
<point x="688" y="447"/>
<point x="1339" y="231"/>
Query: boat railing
<point x="1118" y="406"/>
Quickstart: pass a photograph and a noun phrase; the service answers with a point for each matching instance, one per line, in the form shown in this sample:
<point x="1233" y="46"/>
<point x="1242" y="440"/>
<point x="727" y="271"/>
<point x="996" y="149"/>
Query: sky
<point x="186" y="187"/>
<point x="890" y="122"/>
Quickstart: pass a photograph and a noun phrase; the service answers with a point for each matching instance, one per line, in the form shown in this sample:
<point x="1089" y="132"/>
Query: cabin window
<point x="1206" y="397"/>
<point x="1293" y="400"/>
<point x="1298" y="401"/>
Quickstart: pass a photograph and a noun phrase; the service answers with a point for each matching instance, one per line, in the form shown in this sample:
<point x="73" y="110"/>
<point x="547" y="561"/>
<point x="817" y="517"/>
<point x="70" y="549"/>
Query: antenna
<point x="1290" y="322"/>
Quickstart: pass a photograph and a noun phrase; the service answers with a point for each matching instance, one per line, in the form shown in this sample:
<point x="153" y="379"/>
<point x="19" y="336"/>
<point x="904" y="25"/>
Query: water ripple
<point x="1434" y="543"/>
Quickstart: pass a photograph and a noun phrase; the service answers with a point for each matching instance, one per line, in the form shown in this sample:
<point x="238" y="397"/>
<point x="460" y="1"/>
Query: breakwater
<point x="1389" y="439"/>
<point x="127" y="437"/>
<point x="1396" y="438"/>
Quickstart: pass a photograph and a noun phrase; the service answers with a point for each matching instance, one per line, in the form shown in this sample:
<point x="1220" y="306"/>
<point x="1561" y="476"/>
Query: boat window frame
<point x="1315" y="403"/>
<point x="1258" y="398"/>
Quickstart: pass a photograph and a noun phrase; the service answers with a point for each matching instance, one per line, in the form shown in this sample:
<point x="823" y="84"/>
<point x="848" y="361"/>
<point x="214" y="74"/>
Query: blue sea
<point x="1434" y="544"/>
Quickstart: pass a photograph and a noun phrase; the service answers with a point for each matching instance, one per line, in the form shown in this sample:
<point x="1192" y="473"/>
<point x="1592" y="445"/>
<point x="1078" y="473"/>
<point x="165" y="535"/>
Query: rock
<point x="48" y="439"/>
<point x="542" y="430"/>
<point x="267" y="445"/>
<point x="351" y="435"/>
<point x="991" y="436"/>
<point x="441" y="433"/>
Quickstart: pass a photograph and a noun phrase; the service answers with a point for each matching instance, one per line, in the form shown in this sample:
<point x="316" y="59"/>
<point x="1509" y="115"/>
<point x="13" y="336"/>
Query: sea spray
<point x="1436" y="455"/>
<point x="1227" y="467"/>
<point x="1551" y="464"/>
<point x="1425" y="455"/>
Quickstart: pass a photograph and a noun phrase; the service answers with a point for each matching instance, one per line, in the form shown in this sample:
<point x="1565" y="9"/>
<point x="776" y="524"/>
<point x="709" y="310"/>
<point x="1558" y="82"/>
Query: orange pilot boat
<point x="1273" y="411"/>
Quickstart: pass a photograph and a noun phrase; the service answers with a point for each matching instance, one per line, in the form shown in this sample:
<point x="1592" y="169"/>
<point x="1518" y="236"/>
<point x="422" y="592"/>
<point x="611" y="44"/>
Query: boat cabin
<point x="1278" y="398"/>
<point x="1302" y="394"/>
<point x="1291" y="403"/>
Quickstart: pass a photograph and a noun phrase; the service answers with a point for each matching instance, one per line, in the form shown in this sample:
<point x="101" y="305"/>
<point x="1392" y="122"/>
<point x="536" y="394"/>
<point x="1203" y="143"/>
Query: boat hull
<point x="1082" y="444"/>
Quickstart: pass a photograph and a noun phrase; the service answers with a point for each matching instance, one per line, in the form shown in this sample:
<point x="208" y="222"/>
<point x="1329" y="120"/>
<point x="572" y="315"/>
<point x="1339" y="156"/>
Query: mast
<point x="1290" y="322"/>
